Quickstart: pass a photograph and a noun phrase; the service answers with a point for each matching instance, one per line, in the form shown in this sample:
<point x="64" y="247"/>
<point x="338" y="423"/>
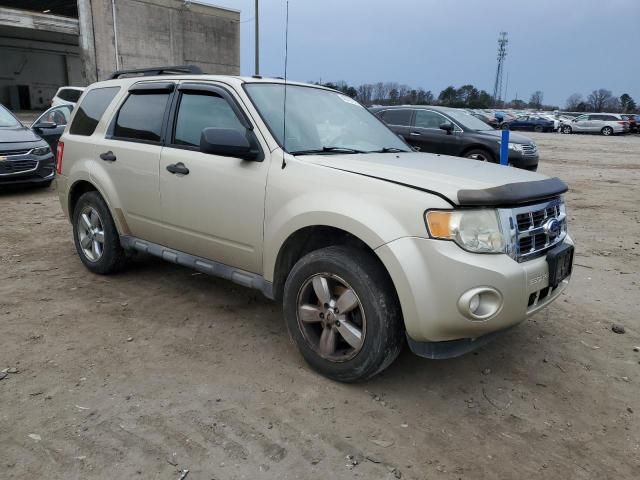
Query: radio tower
<point x="502" y="53"/>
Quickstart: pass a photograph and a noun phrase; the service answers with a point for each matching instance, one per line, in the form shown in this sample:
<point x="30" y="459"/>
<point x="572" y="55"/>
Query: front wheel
<point x="607" y="131"/>
<point x="566" y="129"/>
<point x="480" y="155"/>
<point x="342" y="312"/>
<point x="538" y="128"/>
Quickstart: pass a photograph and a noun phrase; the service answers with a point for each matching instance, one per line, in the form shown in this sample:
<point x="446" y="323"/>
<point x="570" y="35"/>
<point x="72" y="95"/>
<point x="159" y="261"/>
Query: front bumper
<point x="430" y="276"/>
<point x="520" y="160"/>
<point x="40" y="170"/>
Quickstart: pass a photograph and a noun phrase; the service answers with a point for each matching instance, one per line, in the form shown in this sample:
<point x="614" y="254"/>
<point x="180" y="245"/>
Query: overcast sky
<point x="557" y="46"/>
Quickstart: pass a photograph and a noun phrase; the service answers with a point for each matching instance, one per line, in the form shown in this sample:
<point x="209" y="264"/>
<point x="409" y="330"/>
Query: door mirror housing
<point x="447" y="127"/>
<point x="45" y="125"/>
<point x="227" y="142"/>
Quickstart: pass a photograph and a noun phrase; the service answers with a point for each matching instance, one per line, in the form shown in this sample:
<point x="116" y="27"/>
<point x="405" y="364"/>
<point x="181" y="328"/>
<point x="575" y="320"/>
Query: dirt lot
<point x="158" y="369"/>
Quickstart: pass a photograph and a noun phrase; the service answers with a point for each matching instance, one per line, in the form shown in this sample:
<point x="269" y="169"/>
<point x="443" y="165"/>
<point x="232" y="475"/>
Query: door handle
<point x="108" y="156"/>
<point x="179" y="168"/>
<point x="415" y="134"/>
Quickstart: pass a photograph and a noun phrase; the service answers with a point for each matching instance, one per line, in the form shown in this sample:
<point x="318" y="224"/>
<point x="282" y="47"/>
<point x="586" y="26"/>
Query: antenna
<point x="502" y="53"/>
<point x="284" y="108"/>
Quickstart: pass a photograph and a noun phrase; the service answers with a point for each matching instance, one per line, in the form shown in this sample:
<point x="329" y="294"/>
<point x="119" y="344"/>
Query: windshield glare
<point x="6" y="119"/>
<point x="468" y="121"/>
<point x="318" y="118"/>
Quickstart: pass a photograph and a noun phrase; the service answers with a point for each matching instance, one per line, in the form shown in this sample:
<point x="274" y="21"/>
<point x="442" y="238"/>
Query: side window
<point x="582" y="118"/>
<point x="198" y="111"/>
<point x="91" y="109"/>
<point x="429" y="119"/>
<point x="399" y="117"/>
<point x="70" y="94"/>
<point x="140" y="117"/>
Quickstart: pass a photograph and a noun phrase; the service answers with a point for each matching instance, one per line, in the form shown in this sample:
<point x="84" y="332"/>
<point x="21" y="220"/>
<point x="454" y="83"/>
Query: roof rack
<point x="150" y="71"/>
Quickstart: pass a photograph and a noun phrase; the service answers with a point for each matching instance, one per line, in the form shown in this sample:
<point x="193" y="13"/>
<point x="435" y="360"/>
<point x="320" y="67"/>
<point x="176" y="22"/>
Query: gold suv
<point x="300" y="192"/>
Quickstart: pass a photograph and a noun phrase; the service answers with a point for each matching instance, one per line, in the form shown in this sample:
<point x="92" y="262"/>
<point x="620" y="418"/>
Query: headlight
<point x="516" y="147"/>
<point x="41" y="151"/>
<point x="477" y="231"/>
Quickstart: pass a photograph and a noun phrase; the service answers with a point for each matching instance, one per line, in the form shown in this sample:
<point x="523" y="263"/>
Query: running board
<point x="216" y="269"/>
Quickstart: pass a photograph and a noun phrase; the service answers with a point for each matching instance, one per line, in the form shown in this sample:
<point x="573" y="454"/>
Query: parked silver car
<point x="604" y="123"/>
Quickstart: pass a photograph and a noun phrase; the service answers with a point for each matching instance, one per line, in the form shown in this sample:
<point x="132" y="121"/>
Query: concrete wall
<point x="39" y="52"/>
<point x="161" y="32"/>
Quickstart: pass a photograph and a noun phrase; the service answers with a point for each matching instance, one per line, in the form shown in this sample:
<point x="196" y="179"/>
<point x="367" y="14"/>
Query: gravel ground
<point x="159" y="370"/>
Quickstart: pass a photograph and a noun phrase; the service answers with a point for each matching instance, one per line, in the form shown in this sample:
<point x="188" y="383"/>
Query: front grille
<point x="17" y="166"/>
<point x="534" y="232"/>
<point x="529" y="149"/>
<point x="9" y="153"/>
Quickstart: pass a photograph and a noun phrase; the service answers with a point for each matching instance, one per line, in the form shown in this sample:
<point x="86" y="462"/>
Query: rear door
<point x="427" y="134"/>
<point x="130" y="155"/>
<point x="399" y="120"/>
<point x="215" y="209"/>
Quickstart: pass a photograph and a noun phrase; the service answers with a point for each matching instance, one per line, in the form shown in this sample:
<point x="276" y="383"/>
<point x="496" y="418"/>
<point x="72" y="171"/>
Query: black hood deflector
<point x="512" y="193"/>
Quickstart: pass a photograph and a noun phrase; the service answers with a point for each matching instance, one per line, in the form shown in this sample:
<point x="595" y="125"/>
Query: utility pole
<point x="502" y="53"/>
<point x="257" y="41"/>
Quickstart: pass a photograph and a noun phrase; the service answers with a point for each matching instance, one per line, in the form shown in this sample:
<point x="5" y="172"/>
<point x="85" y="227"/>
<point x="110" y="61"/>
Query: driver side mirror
<point x="447" y="127"/>
<point x="44" y="125"/>
<point x="227" y="142"/>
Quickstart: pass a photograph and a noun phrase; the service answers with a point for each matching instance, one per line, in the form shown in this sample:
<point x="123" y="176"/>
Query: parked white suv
<point x="605" y="123"/>
<point x="67" y="96"/>
<point x="365" y="241"/>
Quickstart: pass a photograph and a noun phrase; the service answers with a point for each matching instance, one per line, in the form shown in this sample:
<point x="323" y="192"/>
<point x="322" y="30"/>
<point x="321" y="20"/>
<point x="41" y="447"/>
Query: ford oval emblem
<point x="552" y="228"/>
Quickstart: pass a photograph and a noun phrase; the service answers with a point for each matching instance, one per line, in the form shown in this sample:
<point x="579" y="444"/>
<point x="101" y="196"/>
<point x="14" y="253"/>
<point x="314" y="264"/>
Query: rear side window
<point x="397" y="117"/>
<point x="200" y="111"/>
<point x="69" y="94"/>
<point x="91" y="109"/>
<point x="140" y="117"/>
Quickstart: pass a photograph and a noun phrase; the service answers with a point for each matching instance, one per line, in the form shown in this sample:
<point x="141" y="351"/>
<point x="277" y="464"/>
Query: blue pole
<point x="504" y="148"/>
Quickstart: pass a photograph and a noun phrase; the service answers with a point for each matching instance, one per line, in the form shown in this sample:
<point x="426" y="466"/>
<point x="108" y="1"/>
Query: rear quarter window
<point x="91" y="110"/>
<point x="70" y="95"/>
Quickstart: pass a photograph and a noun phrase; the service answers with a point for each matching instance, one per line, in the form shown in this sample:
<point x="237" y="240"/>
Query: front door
<point x="51" y="124"/>
<point x="581" y="124"/>
<point x="212" y="206"/>
<point x="427" y="134"/>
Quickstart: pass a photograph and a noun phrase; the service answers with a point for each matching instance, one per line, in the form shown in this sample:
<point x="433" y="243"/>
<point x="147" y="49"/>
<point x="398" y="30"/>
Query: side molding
<point x="216" y="269"/>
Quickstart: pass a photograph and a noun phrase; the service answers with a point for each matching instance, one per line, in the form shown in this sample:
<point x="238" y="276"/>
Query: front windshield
<point x="321" y="121"/>
<point x="6" y="119"/>
<point x="468" y="121"/>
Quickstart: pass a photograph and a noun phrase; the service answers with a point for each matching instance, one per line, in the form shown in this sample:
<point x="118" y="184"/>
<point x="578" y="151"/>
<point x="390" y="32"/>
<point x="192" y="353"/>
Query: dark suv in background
<point x="25" y="158"/>
<point x="451" y="131"/>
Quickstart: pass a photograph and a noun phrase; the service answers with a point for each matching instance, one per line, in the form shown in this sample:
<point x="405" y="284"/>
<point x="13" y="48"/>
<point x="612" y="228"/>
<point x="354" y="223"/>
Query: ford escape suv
<point x="365" y="242"/>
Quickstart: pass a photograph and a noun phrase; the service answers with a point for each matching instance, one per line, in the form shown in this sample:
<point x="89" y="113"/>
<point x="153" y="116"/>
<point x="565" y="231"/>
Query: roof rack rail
<point x="149" y="71"/>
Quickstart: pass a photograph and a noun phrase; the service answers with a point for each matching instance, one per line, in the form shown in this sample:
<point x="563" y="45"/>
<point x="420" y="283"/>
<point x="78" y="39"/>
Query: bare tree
<point x="573" y="102"/>
<point x="379" y="92"/>
<point x="365" y="93"/>
<point x="598" y="99"/>
<point x="536" y="100"/>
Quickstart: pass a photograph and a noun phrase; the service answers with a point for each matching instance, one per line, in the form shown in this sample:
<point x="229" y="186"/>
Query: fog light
<point x="480" y="303"/>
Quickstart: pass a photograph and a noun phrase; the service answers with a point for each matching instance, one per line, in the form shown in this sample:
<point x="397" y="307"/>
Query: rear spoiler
<point x="513" y="193"/>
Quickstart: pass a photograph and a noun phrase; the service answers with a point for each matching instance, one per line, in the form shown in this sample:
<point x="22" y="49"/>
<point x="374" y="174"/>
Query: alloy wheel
<point x="479" y="156"/>
<point x="90" y="233"/>
<point x="331" y="317"/>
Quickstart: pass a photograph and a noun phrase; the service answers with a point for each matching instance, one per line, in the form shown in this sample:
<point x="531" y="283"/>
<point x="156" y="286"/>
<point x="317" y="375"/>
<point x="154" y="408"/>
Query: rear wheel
<point x="480" y="155"/>
<point x="342" y="312"/>
<point x="95" y="236"/>
<point x="607" y="131"/>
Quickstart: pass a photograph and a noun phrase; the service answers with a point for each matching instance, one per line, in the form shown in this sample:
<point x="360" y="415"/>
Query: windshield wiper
<point x="322" y="150"/>
<point x="389" y="150"/>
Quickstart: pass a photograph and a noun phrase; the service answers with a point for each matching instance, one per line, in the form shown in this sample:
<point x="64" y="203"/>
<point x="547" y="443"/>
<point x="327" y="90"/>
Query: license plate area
<point x="560" y="261"/>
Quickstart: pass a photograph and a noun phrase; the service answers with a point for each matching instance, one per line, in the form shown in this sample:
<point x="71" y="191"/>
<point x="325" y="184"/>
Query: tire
<point x="566" y="129"/>
<point x="538" y="128"/>
<point x="607" y="131"/>
<point x="504" y="126"/>
<point x="331" y="273"/>
<point x="481" y="155"/>
<point x="92" y="221"/>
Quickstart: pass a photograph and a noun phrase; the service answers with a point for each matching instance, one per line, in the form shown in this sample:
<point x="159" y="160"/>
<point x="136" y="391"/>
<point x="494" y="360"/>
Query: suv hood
<point x="460" y="181"/>
<point x="513" y="137"/>
<point x="17" y="135"/>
